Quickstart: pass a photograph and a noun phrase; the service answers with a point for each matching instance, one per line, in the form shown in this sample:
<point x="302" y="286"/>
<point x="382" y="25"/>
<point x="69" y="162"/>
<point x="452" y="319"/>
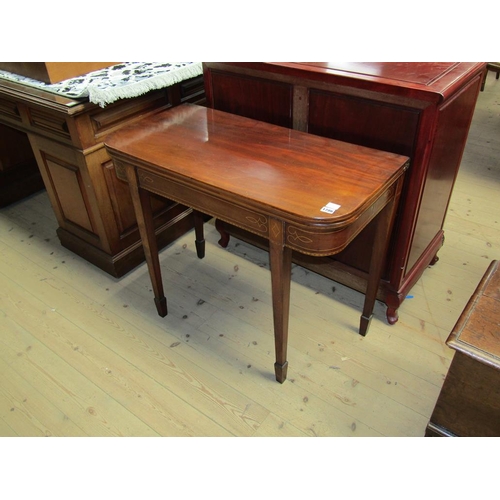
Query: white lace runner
<point x="121" y="81"/>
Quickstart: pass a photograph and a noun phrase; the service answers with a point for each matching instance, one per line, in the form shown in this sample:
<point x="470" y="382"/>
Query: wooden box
<point x="469" y="402"/>
<point x="53" y="72"/>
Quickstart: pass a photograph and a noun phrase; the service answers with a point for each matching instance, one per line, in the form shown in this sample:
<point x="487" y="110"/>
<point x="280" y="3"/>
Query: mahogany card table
<point x="301" y="192"/>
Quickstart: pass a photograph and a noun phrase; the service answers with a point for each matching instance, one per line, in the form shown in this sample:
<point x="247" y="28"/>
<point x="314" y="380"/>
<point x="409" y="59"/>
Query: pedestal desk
<point x="421" y="110"/>
<point x="299" y="192"/>
<point x="62" y="139"/>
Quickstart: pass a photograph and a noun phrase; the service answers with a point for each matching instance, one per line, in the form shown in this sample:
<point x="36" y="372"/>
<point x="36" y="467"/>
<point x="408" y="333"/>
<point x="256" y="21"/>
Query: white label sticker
<point x="329" y="208"/>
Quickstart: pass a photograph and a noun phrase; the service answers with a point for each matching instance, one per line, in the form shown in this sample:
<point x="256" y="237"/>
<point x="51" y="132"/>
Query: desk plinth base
<point x="117" y="265"/>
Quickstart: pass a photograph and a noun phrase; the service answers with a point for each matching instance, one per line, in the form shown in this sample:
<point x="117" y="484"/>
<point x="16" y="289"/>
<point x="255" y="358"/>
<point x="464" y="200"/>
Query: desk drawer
<point x="43" y="122"/>
<point x="9" y="110"/>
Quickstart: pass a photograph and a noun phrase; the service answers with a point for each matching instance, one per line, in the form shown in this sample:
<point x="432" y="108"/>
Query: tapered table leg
<point x="280" y="258"/>
<point x="144" y="215"/>
<point x="384" y="220"/>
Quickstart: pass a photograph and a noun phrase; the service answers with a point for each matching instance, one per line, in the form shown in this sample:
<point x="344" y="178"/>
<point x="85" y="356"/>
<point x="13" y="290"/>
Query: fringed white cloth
<point x="121" y="81"/>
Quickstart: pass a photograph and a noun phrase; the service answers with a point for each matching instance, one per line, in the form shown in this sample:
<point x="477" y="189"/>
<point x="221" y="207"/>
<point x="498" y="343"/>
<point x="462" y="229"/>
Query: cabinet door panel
<point x="263" y="100"/>
<point x="70" y="192"/>
<point x="360" y="121"/>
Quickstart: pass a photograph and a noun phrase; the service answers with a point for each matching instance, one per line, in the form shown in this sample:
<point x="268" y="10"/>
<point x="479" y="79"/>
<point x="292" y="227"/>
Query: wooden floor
<point x="84" y="354"/>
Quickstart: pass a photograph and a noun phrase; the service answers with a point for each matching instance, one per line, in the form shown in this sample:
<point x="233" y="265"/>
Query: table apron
<point x="320" y="239"/>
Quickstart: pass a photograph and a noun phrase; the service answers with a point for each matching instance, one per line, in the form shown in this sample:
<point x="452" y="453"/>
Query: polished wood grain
<point x="478" y="327"/>
<point x="419" y="109"/>
<point x="267" y="179"/>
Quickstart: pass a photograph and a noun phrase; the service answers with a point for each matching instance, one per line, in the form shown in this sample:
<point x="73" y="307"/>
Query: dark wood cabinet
<point x="469" y="401"/>
<point x="64" y="140"/>
<point x="422" y="110"/>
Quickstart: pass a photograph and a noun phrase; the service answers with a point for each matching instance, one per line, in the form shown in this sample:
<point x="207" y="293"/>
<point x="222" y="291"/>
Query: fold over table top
<point x="291" y="173"/>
